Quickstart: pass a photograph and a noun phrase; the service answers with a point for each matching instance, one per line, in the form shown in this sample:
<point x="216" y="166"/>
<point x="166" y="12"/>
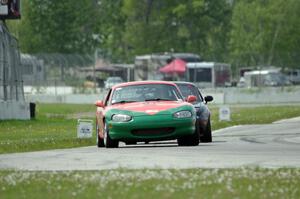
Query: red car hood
<point x="149" y="107"/>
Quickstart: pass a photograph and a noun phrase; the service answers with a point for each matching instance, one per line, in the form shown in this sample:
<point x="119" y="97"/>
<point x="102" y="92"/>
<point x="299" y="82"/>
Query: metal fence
<point x="64" y="63"/>
<point x="11" y="84"/>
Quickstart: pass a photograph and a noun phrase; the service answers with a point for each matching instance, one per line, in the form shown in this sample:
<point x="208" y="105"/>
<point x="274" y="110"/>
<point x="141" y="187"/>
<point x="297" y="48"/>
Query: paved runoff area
<point x="270" y="146"/>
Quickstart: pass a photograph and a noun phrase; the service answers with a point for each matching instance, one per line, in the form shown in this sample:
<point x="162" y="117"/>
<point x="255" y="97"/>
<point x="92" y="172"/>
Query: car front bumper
<point x="151" y="127"/>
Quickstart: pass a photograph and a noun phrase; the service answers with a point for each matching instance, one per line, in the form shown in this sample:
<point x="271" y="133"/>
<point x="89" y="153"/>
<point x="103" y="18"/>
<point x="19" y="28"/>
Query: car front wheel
<point x="108" y="142"/>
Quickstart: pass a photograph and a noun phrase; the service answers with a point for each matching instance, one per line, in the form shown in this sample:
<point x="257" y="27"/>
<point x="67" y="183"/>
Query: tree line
<point x="240" y="32"/>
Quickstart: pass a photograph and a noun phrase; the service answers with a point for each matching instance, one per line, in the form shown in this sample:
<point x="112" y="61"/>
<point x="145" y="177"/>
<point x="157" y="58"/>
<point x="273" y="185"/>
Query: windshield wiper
<point x="124" y="101"/>
<point x="158" y="99"/>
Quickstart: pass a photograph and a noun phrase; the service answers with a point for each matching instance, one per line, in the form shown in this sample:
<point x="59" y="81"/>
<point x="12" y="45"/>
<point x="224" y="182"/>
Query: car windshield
<point x="188" y="89"/>
<point x="145" y="92"/>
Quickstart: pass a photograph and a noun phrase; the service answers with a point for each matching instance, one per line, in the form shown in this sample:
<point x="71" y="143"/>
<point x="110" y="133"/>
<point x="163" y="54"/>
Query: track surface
<point x="272" y="145"/>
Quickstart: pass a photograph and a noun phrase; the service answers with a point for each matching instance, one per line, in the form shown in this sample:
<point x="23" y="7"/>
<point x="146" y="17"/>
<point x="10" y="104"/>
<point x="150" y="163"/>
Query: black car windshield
<point x="189" y="89"/>
<point x="145" y="92"/>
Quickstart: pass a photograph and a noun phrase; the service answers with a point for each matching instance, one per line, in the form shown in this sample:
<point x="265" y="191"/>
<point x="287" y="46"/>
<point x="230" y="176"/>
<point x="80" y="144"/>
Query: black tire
<point x="100" y="141"/>
<point x="207" y="137"/>
<point x="108" y="142"/>
<point x="189" y="140"/>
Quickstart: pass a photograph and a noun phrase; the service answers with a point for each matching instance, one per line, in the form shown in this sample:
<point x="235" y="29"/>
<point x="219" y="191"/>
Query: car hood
<point x="150" y="107"/>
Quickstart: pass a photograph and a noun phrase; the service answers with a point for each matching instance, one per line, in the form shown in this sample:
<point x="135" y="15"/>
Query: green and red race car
<point x="145" y="111"/>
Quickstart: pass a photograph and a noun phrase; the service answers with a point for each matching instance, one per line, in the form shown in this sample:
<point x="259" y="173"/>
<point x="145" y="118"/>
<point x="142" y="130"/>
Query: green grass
<point x="50" y="130"/>
<point x="55" y="125"/>
<point x="254" y="115"/>
<point x="192" y="183"/>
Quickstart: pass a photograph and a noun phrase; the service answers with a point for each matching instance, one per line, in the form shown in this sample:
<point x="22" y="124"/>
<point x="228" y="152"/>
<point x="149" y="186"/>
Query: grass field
<point x="50" y="130"/>
<point x="193" y="183"/>
<point x="55" y="125"/>
<point x="255" y="115"/>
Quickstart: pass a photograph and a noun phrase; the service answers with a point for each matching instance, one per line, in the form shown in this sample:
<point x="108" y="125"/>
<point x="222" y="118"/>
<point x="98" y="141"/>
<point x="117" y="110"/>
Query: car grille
<point x="153" y="132"/>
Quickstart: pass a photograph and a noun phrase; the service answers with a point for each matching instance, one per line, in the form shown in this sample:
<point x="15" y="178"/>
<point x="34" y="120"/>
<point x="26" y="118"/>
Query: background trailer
<point x="209" y="74"/>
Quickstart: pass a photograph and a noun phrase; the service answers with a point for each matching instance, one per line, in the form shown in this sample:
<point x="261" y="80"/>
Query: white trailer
<point x="209" y="74"/>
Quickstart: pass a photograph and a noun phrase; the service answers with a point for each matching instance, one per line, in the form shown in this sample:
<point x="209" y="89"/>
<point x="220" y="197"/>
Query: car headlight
<point x="121" y="118"/>
<point x="183" y="114"/>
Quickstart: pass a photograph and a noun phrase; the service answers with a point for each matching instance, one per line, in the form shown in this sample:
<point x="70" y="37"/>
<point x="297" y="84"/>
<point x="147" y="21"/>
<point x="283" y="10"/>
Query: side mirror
<point x="99" y="104"/>
<point x="208" y="98"/>
<point x="191" y="98"/>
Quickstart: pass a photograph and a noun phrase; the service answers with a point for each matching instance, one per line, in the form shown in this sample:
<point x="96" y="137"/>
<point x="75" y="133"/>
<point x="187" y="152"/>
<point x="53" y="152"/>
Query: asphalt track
<point x="270" y="146"/>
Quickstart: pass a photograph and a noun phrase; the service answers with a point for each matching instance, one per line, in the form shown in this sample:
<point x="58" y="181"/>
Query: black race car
<point x="203" y="125"/>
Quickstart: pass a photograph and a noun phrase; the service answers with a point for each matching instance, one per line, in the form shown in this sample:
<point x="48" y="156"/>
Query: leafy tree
<point x="111" y="25"/>
<point x="242" y="32"/>
<point x="122" y="29"/>
<point x="265" y="33"/>
<point x="58" y="26"/>
<point x="199" y="26"/>
<point x="207" y="24"/>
